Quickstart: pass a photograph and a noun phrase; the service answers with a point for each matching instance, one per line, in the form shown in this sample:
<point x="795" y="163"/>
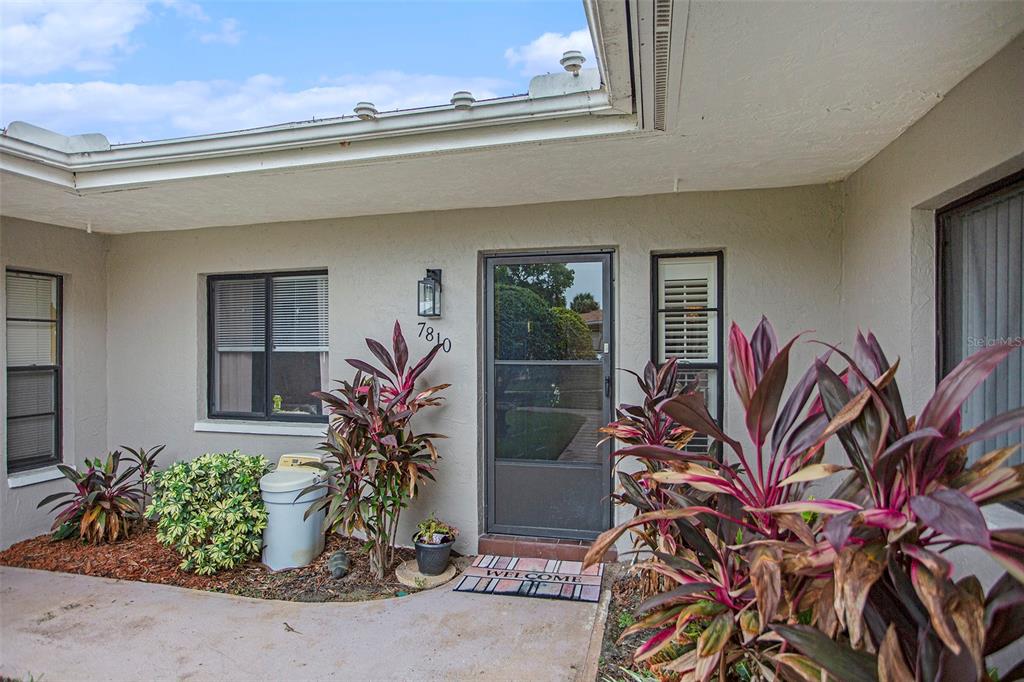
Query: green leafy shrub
<point x="210" y="510"/>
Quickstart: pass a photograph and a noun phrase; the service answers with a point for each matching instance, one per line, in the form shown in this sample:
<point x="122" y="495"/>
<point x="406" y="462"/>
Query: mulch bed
<point x="143" y="559"/>
<point x="625" y="598"/>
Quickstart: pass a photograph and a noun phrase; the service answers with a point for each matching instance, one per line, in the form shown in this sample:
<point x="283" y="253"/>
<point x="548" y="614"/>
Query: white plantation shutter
<point x="239" y="315"/>
<point x="685" y="330"/>
<point x="300" y="313"/>
<point x="687" y="327"/>
<point x="687" y="303"/>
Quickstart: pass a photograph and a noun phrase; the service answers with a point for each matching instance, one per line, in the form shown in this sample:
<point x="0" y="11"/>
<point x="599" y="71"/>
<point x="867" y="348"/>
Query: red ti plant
<point x="726" y="574"/>
<point x="856" y="583"/>
<point x="375" y="460"/>
<point x="895" y="592"/>
<point x="645" y="424"/>
<point x="397" y="377"/>
<point x="103" y="506"/>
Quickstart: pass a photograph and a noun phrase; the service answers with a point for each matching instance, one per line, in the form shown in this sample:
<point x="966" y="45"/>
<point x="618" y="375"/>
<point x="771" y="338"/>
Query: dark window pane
<point x="31" y="392"/>
<point x="983" y="302"/>
<point x="30" y="440"/>
<point x="548" y="412"/>
<point x="294" y="375"/>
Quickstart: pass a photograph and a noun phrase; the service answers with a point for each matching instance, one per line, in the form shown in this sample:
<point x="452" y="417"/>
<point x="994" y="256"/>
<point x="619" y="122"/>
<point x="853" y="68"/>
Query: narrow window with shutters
<point x="687" y="324"/>
<point x="34" y="368"/>
<point x="268" y="346"/>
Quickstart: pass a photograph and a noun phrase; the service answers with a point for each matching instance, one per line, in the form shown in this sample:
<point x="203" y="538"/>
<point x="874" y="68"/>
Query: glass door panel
<point x="548" y="393"/>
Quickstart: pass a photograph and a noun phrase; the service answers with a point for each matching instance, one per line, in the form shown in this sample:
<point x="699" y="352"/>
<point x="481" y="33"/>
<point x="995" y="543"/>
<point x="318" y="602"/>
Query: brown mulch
<point x="625" y="598"/>
<point x="143" y="559"/>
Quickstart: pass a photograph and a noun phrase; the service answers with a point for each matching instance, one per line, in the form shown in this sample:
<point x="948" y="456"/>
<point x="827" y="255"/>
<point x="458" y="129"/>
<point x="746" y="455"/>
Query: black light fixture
<point x="429" y="294"/>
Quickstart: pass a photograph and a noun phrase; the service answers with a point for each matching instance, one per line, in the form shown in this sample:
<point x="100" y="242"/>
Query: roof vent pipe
<point x="572" y="61"/>
<point x="463" y="100"/>
<point x="366" y="111"/>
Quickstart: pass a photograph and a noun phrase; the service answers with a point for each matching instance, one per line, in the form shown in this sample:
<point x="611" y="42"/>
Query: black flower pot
<point x="432" y="559"/>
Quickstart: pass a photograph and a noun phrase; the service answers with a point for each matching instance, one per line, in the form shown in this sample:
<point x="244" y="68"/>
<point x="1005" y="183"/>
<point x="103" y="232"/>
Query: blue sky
<point x="135" y="70"/>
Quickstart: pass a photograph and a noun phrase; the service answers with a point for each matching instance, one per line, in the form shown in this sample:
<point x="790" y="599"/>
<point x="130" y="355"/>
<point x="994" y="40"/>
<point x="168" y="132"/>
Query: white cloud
<point x="40" y="37"/>
<point x="542" y="55"/>
<point x="128" y="112"/>
<point x="229" y="33"/>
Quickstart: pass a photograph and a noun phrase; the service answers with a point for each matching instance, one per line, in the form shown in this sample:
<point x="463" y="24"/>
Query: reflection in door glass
<point x="548" y="311"/>
<point x="548" y="412"/>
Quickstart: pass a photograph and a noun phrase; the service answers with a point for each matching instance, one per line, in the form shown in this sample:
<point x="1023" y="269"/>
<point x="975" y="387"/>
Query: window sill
<point x="33" y="476"/>
<point x="260" y="428"/>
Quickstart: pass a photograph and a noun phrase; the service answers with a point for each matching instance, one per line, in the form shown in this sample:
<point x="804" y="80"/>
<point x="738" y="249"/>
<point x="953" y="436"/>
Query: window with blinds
<point x="982" y="301"/>
<point x="269" y="345"/>
<point x="687" y="323"/>
<point x="33" y="370"/>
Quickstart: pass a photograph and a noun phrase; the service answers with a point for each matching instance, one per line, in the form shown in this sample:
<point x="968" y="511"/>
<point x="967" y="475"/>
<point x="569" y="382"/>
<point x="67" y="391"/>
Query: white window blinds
<point x="33" y="370"/>
<point x="687" y="303"/>
<point x="239" y="307"/>
<point x="299" y="320"/>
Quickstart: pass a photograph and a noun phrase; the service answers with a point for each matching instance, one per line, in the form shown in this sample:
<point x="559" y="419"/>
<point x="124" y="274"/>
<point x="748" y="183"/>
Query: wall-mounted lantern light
<point x="429" y="294"/>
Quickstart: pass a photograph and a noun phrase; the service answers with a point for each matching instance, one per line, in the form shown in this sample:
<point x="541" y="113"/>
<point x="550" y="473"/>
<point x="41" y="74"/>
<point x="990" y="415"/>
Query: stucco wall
<point x="974" y="137"/>
<point x="80" y="258"/>
<point x="782" y="257"/>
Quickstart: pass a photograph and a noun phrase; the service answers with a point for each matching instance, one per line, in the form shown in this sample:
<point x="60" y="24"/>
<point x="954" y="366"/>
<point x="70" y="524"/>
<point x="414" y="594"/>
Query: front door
<point x="548" y="391"/>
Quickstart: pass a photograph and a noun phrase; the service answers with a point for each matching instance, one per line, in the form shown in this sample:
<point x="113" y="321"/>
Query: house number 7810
<point x="430" y="336"/>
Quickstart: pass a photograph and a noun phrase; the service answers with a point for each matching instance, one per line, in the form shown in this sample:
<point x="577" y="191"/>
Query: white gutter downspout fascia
<point x="421" y="131"/>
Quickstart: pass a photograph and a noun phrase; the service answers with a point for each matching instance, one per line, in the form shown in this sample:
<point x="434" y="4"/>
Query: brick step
<point x="538" y="548"/>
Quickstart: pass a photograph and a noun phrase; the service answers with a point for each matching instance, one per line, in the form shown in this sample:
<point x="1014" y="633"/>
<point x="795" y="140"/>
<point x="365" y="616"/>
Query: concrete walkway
<point x="56" y="626"/>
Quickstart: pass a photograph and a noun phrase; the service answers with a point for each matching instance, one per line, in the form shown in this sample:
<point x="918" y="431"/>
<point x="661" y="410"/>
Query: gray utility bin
<point x="289" y="541"/>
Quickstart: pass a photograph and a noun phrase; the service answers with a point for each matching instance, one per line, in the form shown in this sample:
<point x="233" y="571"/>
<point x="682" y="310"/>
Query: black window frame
<point x="718" y="366"/>
<point x="941" y="294"/>
<point x="58" y="378"/>
<point x="267" y="415"/>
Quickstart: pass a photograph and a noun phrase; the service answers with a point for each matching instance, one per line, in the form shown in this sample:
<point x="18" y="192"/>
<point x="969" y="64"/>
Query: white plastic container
<point x="289" y="541"/>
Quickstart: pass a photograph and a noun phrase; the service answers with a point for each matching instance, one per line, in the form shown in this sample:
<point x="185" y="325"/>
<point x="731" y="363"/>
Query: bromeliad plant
<point x="856" y="582"/>
<point x="375" y="461"/>
<point x="104" y="504"/>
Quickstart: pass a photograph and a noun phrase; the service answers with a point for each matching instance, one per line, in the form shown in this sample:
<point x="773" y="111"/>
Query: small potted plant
<point x="434" y="540"/>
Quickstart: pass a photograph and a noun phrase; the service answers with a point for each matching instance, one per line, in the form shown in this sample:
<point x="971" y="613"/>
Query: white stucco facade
<point x="155" y="311"/>
<point x="829" y="258"/>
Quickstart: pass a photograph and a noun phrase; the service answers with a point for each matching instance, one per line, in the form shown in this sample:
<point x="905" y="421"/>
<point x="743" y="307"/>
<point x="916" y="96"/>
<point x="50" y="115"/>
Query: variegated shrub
<point x="852" y="587"/>
<point x="210" y="511"/>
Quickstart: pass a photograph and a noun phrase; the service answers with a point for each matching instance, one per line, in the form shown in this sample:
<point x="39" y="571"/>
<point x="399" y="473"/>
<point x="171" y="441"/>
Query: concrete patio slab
<point x="72" y="627"/>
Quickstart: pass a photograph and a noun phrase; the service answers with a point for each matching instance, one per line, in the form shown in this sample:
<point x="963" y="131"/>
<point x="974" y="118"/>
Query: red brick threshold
<point x="538" y="548"/>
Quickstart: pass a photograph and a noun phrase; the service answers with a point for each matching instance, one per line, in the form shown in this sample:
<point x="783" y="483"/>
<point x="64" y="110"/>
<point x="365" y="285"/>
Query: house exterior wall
<point x="80" y="258"/>
<point x="781" y="258"/>
<point x="971" y="139"/>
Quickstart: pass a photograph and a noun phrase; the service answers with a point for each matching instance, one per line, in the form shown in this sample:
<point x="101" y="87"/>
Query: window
<point x="981" y="300"/>
<point x="267" y="346"/>
<point x="687" y="323"/>
<point x="33" y="370"/>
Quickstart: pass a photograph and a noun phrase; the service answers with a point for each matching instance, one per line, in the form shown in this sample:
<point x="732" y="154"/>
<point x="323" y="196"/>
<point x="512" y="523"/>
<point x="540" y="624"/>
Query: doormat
<point x="541" y="578"/>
